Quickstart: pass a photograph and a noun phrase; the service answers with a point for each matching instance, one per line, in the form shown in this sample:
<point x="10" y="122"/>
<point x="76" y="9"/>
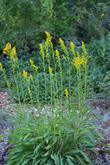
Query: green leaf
<point x="55" y="157"/>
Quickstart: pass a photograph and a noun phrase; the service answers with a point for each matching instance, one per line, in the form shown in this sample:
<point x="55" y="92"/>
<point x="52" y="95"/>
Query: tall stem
<point x="16" y="81"/>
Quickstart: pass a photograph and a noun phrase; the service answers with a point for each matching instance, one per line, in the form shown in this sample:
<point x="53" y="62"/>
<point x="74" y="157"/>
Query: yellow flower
<point x="50" y="70"/>
<point x="1" y="66"/>
<point x="13" y="52"/>
<point x="31" y="62"/>
<point x="72" y="47"/>
<point x="83" y="60"/>
<point x="7" y="49"/>
<point x="57" y="55"/>
<point x="29" y="90"/>
<point x="61" y="43"/>
<point x="64" y="48"/>
<point x="42" y="51"/>
<point x="33" y="65"/>
<point x="83" y="45"/>
<point x="48" y="41"/>
<point x="48" y="35"/>
<point x="35" y="68"/>
<point x="25" y="74"/>
<point x="66" y="92"/>
<point x="77" y="61"/>
<point x="83" y="48"/>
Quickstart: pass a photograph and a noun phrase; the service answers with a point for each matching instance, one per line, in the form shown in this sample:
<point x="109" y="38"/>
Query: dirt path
<point x="102" y="118"/>
<point x="5" y="126"/>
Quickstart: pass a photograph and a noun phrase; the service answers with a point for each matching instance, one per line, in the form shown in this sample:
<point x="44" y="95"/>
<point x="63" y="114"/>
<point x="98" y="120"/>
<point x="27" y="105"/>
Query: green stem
<point x="61" y="80"/>
<point x="51" y="88"/>
<point x="79" y="92"/>
<point x="16" y="82"/>
<point x="6" y="79"/>
<point x="36" y="88"/>
<point x="56" y="85"/>
<point x="21" y="82"/>
<point x="30" y="93"/>
<point x="45" y="80"/>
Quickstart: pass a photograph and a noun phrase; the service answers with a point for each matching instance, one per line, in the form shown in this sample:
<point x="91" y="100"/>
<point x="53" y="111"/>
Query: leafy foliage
<point x="56" y="139"/>
<point x="23" y="24"/>
<point x="100" y="64"/>
<point x="59" y="131"/>
<point x="24" y="17"/>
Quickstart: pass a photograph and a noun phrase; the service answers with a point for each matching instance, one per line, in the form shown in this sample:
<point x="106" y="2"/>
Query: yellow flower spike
<point x="77" y="61"/>
<point x="66" y="92"/>
<point x="72" y="47"/>
<point x="7" y="49"/>
<point x="42" y="50"/>
<point x="83" y="48"/>
<point x="25" y="74"/>
<point x="83" y="60"/>
<point x="57" y="53"/>
<point x="48" y="41"/>
<point x="13" y="52"/>
<point x="31" y="62"/>
<point x="33" y="65"/>
<point x="83" y="45"/>
<point x="1" y="66"/>
<point x="48" y="35"/>
<point x="29" y="90"/>
<point x="64" y="48"/>
<point x="61" y="43"/>
<point x="50" y="70"/>
<point x="35" y="68"/>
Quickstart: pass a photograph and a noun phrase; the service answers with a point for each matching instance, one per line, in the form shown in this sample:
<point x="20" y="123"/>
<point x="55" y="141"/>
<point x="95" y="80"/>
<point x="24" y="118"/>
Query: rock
<point x="106" y="117"/>
<point x="107" y="133"/>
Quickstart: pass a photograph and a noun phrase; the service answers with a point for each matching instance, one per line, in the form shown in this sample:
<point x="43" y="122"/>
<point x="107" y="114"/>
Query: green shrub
<point x="21" y="18"/>
<point x="104" y="85"/>
<point x="61" y="129"/>
<point x="100" y="64"/>
<point x="53" y="139"/>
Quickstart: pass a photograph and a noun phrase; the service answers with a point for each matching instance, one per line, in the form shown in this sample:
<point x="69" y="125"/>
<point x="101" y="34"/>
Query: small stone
<point x="106" y="117"/>
<point x="107" y="132"/>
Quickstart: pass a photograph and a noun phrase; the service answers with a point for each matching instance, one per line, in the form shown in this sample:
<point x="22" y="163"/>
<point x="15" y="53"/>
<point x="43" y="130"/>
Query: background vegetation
<point x="23" y="23"/>
<point x="61" y="133"/>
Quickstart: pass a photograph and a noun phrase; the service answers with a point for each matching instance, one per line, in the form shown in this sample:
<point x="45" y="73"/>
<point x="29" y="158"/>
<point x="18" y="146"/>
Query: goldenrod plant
<point x="35" y="81"/>
<point x="58" y="60"/>
<point x="12" y="53"/>
<point x="60" y="133"/>
<point x="42" y="53"/>
<point x="68" y="60"/>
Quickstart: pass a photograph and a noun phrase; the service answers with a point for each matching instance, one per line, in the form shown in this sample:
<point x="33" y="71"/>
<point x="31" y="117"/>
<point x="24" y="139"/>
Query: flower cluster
<point x="57" y="55"/>
<point x="33" y="65"/>
<point x="9" y="50"/>
<point x="79" y="60"/>
<point x="61" y="43"/>
<point x="64" y="48"/>
<point x="66" y="92"/>
<point x="25" y="74"/>
<point x="50" y="70"/>
<point x="42" y="53"/>
<point x="72" y="47"/>
<point x="48" y="41"/>
<point x="1" y="66"/>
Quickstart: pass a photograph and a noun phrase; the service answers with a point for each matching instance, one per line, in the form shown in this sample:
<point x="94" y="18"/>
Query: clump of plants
<point x="61" y="132"/>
